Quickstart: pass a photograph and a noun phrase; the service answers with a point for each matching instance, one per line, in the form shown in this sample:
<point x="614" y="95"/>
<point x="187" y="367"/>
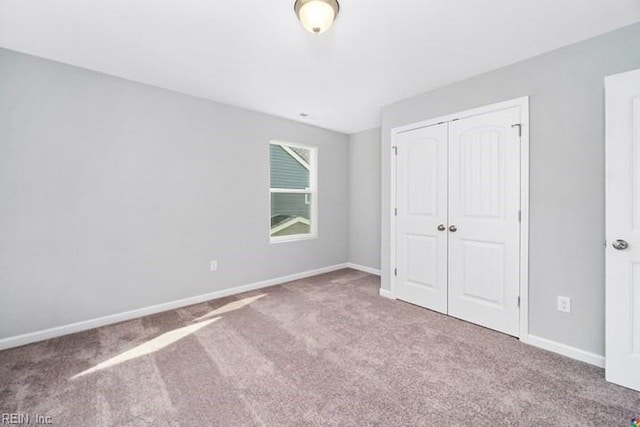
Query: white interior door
<point x="484" y="228"/>
<point x="421" y="193"/>
<point x="623" y="229"/>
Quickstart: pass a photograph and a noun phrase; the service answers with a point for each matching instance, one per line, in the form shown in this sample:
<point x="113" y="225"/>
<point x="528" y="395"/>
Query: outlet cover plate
<point x="564" y="304"/>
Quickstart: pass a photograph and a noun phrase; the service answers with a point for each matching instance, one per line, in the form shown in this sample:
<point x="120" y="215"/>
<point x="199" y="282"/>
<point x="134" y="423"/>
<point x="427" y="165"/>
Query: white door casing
<point x="484" y="205"/>
<point x="623" y="222"/>
<point x="422" y="207"/>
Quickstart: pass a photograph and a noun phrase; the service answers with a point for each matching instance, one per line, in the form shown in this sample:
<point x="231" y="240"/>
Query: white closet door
<point x="484" y="204"/>
<point x="623" y="229"/>
<point x="422" y="206"/>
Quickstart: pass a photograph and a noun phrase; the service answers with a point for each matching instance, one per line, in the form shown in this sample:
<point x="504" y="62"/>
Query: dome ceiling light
<point x="316" y="16"/>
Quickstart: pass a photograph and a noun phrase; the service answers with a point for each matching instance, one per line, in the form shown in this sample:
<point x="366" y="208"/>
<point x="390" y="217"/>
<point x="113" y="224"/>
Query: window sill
<point x="294" y="238"/>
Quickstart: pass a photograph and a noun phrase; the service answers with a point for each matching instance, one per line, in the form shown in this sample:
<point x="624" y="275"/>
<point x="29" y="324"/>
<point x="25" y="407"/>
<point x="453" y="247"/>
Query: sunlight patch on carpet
<point x="149" y="347"/>
<point x="232" y="306"/>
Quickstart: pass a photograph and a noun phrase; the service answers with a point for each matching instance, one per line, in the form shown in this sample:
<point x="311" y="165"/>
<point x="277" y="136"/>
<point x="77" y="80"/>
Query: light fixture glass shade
<point x="316" y="16"/>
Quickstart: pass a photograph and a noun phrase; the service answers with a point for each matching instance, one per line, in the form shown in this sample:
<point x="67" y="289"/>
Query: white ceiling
<point x="254" y="53"/>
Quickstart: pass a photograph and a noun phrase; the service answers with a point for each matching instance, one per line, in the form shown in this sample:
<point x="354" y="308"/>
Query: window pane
<point x="289" y="167"/>
<point x="290" y="214"/>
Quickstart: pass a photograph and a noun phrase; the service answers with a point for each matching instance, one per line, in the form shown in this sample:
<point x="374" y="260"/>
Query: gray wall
<point x="116" y="195"/>
<point x="364" y="198"/>
<point x="567" y="172"/>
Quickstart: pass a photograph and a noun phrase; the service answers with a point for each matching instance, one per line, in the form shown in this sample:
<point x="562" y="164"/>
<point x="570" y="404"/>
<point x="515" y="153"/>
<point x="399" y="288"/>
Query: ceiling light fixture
<point x="316" y="16"/>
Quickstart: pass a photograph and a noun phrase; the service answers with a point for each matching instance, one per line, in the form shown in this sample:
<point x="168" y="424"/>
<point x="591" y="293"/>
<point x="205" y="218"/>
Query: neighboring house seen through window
<point x="293" y="191"/>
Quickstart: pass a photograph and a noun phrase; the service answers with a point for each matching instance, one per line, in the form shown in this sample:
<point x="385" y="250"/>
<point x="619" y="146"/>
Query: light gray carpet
<point x="321" y="351"/>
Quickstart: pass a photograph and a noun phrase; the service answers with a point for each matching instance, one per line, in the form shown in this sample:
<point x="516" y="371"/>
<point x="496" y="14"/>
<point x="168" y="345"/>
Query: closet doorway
<point x="459" y="221"/>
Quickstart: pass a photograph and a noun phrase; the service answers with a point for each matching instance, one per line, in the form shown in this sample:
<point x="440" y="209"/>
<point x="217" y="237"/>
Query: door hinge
<point x="395" y="271"/>
<point x="395" y="149"/>
<point x="519" y="216"/>
<point x="518" y="302"/>
<point x="519" y="126"/>
<point x="396" y="211"/>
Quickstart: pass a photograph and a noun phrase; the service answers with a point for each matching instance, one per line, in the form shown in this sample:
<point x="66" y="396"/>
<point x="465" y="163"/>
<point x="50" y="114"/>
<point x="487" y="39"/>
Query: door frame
<point x="523" y="104"/>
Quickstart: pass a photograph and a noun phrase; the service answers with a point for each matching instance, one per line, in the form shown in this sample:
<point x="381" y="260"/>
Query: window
<point x="293" y="191"/>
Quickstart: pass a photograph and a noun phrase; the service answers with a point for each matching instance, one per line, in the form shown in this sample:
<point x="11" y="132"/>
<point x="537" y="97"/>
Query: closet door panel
<point x="421" y="191"/>
<point x="484" y="204"/>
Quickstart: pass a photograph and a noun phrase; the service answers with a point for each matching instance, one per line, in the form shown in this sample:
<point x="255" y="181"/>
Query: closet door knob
<point x="620" y="244"/>
<point x="442" y="227"/>
<point x="453" y="229"/>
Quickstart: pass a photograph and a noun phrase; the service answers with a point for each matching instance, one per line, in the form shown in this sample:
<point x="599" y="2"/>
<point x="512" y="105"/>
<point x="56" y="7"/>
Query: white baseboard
<point x="364" y="268"/>
<point x="386" y="293"/>
<point x="566" y="350"/>
<point x="84" y="325"/>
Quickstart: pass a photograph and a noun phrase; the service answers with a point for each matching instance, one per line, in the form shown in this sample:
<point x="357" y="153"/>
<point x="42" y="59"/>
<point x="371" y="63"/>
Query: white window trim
<point x="312" y="191"/>
<point x="292" y="191"/>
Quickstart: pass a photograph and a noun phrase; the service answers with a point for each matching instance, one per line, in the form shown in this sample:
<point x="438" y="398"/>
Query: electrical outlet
<point x="564" y="304"/>
<point x="213" y="265"/>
